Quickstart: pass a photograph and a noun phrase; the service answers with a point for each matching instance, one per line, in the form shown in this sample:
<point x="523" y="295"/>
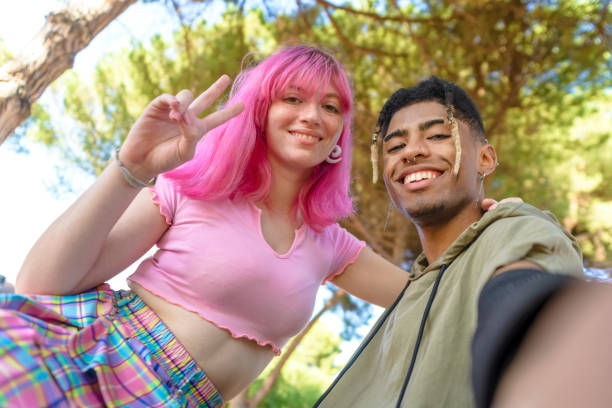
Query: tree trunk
<point x="49" y="54"/>
<point x="241" y="401"/>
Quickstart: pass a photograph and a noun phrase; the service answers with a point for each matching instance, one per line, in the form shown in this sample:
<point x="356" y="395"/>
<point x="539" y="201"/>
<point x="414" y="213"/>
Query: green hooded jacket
<point x="441" y="375"/>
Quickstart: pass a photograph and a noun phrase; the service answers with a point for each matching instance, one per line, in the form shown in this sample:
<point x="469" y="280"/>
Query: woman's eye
<point x="331" y="108"/>
<point x="291" y="99"/>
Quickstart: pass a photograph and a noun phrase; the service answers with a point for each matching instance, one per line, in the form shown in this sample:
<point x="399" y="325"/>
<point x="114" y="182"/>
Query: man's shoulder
<point x="521" y="231"/>
<point x="521" y="218"/>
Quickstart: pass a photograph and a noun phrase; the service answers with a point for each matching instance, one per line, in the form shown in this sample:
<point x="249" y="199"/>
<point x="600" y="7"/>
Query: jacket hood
<point x="471" y="233"/>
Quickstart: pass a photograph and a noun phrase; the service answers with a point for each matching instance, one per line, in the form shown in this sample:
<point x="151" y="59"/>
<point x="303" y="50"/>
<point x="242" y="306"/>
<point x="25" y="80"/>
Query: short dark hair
<point x="432" y="89"/>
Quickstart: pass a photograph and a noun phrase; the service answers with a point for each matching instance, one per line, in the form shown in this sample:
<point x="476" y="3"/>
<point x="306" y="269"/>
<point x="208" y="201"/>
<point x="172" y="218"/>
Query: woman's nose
<point x="310" y="113"/>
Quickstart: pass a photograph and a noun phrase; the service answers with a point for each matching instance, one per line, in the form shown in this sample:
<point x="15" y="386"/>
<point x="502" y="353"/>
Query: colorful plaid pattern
<point x="96" y="349"/>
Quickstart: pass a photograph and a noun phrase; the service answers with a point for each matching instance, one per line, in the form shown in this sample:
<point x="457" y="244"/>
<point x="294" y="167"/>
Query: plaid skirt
<point x="96" y="349"/>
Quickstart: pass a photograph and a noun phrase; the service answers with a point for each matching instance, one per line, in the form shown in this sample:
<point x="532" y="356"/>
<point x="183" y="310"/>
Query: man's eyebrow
<point x="395" y="133"/>
<point x="422" y="127"/>
<point x="426" y="125"/>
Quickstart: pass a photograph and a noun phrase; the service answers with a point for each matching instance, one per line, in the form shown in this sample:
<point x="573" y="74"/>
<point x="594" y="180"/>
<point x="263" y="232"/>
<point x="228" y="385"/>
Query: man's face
<point x="419" y="155"/>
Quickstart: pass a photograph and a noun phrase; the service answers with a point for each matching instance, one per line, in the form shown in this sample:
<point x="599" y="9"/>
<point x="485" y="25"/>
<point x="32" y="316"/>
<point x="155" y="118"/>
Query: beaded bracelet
<point x="131" y="180"/>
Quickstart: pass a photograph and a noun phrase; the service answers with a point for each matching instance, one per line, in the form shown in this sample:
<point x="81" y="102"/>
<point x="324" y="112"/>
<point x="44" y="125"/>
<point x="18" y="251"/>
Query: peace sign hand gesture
<point x="166" y="134"/>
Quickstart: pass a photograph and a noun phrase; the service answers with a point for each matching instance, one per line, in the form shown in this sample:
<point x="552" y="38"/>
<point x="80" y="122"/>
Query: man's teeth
<point x="420" y="175"/>
<point x="305" y="137"/>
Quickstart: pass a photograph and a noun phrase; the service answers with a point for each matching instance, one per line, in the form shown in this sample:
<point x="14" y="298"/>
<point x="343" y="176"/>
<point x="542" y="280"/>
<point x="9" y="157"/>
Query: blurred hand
<point x="489" y="204"/>
<point x="166" y="134"/>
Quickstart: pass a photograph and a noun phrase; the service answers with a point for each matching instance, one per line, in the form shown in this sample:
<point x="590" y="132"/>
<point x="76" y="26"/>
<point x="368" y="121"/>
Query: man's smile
<point x="419" y="177"/>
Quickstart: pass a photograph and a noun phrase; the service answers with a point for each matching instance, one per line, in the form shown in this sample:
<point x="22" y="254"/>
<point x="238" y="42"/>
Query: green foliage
<point x="531" y="67"/>
<point x="307" y="374"/>
<point x="535" y="69"/>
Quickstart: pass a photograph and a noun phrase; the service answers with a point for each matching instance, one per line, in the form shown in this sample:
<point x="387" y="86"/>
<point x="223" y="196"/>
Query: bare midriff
<point x="231" y="364"/>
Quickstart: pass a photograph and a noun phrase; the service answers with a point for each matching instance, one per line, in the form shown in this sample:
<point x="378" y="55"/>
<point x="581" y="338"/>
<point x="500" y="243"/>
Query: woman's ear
<point x="487" y="160"/>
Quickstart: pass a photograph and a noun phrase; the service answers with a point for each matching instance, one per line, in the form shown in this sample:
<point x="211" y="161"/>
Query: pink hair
<point x="231" y="160"/>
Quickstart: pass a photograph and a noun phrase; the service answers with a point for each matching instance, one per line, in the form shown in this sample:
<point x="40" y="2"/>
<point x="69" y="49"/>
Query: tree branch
<point x="65" y="33"/>
<point x="377" y="17"/>
<point x="349" y="44"/>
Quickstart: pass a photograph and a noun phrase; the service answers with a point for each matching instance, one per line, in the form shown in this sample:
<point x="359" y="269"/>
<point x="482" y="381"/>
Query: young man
<point x="436" y="157"/>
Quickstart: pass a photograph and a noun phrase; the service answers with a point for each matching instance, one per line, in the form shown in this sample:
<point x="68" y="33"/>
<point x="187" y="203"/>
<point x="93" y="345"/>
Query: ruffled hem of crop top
<point x="267" y="343"/>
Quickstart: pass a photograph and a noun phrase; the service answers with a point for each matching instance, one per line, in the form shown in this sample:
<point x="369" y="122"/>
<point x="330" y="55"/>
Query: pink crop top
<point x="214" y="261"/>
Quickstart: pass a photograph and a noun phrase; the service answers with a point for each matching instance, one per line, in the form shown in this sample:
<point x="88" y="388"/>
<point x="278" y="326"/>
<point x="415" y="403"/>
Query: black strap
<point x="363" y="345"/>
<point x="432" y="295"/>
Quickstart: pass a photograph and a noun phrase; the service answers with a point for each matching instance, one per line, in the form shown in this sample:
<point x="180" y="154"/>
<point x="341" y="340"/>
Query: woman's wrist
<point x="130" y="178"/>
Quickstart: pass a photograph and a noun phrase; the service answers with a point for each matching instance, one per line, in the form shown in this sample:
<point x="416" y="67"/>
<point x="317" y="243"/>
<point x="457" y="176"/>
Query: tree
<point x="530" y="66"/>
<point x="65" y="33"/>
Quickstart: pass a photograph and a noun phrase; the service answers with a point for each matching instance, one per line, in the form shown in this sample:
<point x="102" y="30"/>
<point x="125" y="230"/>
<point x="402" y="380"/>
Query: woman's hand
<point x="166" y="134"/>
<point x="489" y="204"/>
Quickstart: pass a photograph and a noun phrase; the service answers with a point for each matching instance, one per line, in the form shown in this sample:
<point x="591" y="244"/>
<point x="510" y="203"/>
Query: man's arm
<point x="515" y="292"/>
<point x="565" y="359"/>
<point x="508" y="305"/>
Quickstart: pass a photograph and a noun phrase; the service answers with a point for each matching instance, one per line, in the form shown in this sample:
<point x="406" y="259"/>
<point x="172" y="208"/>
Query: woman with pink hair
<point x="245" y="222"/>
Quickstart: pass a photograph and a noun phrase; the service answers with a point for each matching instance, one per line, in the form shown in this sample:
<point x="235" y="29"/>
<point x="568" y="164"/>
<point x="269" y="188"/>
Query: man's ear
<point x="487" y="160"/>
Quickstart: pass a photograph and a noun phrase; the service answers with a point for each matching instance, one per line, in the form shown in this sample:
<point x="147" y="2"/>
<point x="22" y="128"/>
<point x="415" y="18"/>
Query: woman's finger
<point x="512" y="200"/>
<point x="185" y="98"/>
<point x="190" y="127"/>
<point x="221" y="116"/>
<point x="166" y="99"/>
<point x="161" y="105"/>
<point x="210" y="95"/>
<point x="488" y="204"/>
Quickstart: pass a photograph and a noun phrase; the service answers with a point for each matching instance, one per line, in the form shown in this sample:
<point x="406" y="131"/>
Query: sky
<point x="28" y="205"/>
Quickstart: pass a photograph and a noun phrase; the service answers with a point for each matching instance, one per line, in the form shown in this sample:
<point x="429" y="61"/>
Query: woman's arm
<point x="103" y="231"/>
<point x="94" y="239"/>
<point x="373" y="279"/>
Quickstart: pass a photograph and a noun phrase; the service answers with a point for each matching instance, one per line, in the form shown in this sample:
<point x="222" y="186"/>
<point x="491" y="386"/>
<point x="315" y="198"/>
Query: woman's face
<point x="301" y="130"/>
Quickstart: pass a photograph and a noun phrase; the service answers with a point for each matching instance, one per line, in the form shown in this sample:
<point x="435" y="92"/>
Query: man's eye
<point x="395" y="148"/>
<point x="439" y="137"/>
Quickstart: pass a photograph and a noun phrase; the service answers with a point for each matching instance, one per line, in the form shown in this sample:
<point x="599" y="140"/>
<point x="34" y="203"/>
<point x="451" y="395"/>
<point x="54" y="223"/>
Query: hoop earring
<point x="335" y="155"/>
